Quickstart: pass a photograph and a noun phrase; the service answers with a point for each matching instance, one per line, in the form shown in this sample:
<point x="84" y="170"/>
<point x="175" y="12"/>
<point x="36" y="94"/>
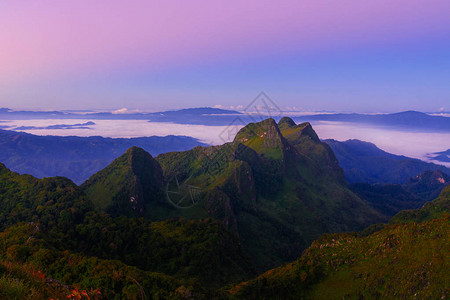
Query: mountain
<point x="181" y="115"/>
<point x="411" y="120"/>
<point x="427" y="185"/>
<point x="443" y="156"/>
<point x="198" y="111"/>
<point x="390" y="199"/>
<point x="195" y="223"/>
<point x="50" y="225"/>
<point x="404" y="260"/>
<point x="199" y="116"/>
<point x="364" y="162"/>
<point x="276" y="186"/>
<point x="130" y="184"/>
<point x="76" y="158"/>
<point x="431" y="210"/>
<point x="24" y="198"/>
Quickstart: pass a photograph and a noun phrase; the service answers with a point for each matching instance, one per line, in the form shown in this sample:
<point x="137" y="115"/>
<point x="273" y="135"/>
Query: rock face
<point x="276" y="186"/>
<point x="428" y="184"/>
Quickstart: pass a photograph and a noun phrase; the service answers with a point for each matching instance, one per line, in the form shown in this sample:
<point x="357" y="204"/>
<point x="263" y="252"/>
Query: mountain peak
<point x="126" y="185"/>
<point x="265" y="128"/>
<point x="264" y="137"/>
<point x="137" y="153"/>
<point x="135" y="149"/>
<point x="309" y="131"/>
<point x="286" y="122"/>
<point x="297" y="131"/>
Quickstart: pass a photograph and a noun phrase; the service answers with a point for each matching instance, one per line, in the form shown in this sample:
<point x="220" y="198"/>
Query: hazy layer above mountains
<point x="400" y="133"/>
<point x="409" y="120"/>
<point x="35" y="154"/>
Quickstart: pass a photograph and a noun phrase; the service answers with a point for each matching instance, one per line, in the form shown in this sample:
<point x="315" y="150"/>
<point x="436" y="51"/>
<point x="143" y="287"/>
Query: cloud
<point x="232" y="107"/>
<point x="398" y="142"/>
<point x="124" y="110"/>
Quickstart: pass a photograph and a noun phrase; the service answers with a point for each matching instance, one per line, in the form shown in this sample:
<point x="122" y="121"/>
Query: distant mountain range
<point x="76" y="158"/>
<point x="79" y="157"/>
<point x="443" y="156"/>
<point x="407" y="120"/>
<point x="364" y="162"/>
<point x="169" y="116"/>
<point x="412" y="120"/>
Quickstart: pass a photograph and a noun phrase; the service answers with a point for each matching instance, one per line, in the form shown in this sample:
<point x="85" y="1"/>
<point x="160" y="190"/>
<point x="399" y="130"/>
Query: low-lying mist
<point x="409" y="143"/>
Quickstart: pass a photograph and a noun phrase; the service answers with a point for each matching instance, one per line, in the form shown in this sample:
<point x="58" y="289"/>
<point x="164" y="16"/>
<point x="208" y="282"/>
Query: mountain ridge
<point x="130" y="181"/>
<point x="284" y="185"/>
<point x="365" y="162"/>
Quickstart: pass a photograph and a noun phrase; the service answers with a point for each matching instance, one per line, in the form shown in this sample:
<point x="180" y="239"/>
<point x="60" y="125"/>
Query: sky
<point x="347" y="55"/>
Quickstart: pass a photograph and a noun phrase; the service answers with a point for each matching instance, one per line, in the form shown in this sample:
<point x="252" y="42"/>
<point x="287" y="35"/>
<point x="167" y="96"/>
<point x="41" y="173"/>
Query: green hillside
<point x="430" y="210"/>
<point x="127" y="186"/>
<point x="276" y="185"/>
<point x="405" y="260"/>
<point x="193" y="224"/>
<point x="389" y="199"/>
<point x="50" y="225"/>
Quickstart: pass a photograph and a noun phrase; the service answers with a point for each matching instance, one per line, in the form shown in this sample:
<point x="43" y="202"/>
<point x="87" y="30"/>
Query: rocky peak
<point x="129" y="183"/>
<point x="285" y="123"/>
<point x="143" y="164"/>
<point x="265" y="128"/>
<point x="264" y="137"/>
<point x="309" y="131"/>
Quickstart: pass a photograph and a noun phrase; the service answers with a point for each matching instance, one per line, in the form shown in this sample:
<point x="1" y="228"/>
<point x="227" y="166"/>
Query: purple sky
<point x="362" y="56"/>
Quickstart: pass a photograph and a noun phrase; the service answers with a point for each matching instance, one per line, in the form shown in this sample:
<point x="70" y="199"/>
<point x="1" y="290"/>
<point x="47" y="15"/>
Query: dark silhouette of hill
<point x="364" y="162"/>
<point x="390" y="199"/>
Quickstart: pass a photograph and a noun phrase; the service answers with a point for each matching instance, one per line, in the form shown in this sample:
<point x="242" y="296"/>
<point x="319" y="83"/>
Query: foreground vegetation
<point x="404" y="260"/>
<point x="277" y="189"/>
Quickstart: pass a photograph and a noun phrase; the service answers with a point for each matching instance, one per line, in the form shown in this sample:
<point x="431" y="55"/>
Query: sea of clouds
<point x="409" y="143"/>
